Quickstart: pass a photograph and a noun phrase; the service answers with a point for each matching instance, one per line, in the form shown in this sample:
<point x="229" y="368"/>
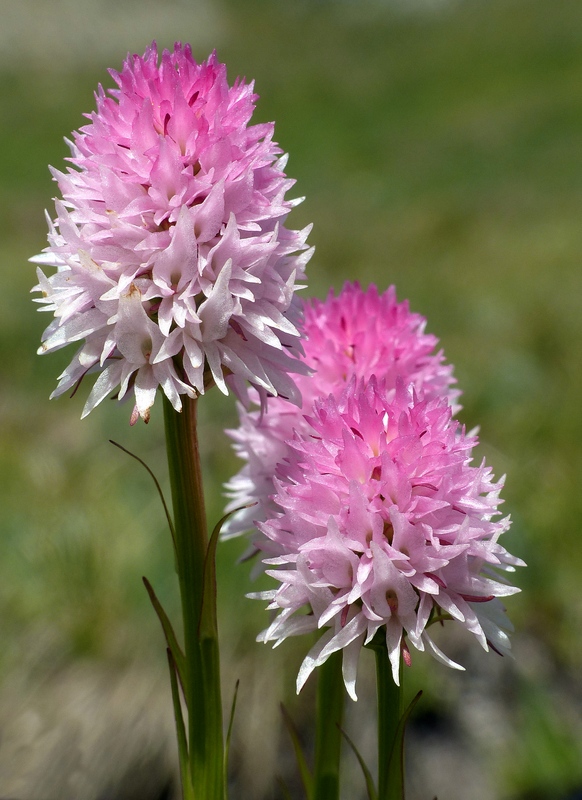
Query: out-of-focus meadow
<point x="439" y="147"/>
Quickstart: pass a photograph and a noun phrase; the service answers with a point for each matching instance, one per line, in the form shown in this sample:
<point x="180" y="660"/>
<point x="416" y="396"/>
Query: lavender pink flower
<point x="174" y="268"/>
<point x="383" y="525"/>
<point x="358" y="334"/>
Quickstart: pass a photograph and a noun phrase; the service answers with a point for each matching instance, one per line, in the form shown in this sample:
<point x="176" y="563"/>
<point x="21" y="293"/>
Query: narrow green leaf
<point x="304" y="771"/>
<point x="171" y="640"/>
<point x="396" y="761"/>
<point x="180" y="728"/>
<point x="157" y="483"/>
<point x="208" y="628"/>
<point x="371" y="789"/>
<point x="229" y="732"/>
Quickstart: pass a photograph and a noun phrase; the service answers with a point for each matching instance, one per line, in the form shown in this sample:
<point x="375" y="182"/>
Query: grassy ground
<point x="439" y="149"/>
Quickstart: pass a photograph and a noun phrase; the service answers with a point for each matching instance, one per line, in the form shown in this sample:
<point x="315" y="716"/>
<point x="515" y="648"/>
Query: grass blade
<point x="304" y="771"/>
<point x="371" y="789"/>
<point x="180" y="728"/>
<point x="171" y="639"/>
<point x="396" y="762"/>
<point x="229" y="732"/>
<point x="157" y="483"/>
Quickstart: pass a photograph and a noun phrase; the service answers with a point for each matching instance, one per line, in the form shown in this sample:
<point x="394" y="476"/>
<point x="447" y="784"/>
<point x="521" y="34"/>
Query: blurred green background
<point x="438" y="145"/>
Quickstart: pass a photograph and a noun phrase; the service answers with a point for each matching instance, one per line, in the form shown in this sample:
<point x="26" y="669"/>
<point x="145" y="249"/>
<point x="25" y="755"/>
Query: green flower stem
<point x="390" y="709"/>
<point x="328" y="737"/>
<point x="202" y="678"/>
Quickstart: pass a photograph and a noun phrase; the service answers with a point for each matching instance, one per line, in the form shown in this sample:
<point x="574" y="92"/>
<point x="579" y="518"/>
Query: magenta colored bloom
<point x="173" y="264"/>
<point x="383" y="524"/>
<point x="357" y="334"/>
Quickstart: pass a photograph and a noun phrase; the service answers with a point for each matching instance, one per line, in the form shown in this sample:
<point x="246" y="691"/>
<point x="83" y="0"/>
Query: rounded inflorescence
<point x="174" y="268"/>
<point x="358" y="333"/>
<point x="368" y="510"/>
<point x="383" y="525"/>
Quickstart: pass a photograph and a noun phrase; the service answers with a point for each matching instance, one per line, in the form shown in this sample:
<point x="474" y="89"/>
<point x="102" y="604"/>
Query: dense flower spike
<point x="173" y="264"/>
<point x="382" y="525"/>
<point x="358" y="334"/>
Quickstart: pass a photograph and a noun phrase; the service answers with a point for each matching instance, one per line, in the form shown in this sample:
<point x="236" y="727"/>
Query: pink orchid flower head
<point x="173" y="265"/>
<point x="356" y="334"/>
<point x="382" y="526"/>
